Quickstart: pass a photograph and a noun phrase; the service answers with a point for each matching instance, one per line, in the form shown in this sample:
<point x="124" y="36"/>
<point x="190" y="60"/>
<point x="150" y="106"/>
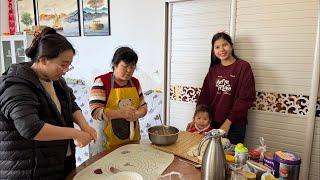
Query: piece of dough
<point x="131" y="130"/>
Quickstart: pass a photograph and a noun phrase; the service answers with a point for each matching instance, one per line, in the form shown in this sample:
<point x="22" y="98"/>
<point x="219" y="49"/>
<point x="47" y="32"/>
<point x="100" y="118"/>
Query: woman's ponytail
<point x="48" y="44"/>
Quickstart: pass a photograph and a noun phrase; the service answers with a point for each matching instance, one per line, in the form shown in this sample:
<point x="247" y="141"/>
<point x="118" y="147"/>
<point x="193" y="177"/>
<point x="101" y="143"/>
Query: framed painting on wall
<point x="62" y="15"/>
<point x="96" y="19"/>
<point x="26" y="14"/>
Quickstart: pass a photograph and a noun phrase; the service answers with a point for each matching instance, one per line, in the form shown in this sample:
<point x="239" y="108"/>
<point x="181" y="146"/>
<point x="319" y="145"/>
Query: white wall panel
<point x="278" y="37"/>
<point x="315" y="156"/>
<point x="315" y="153"/>
<point x="253" y="3"/>
<point x="179" y="117"/>
<point x="280" y="132"/>
<point x="193" y="24"/>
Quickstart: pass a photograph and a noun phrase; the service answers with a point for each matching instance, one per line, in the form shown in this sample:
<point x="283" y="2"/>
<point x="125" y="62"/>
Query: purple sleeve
<point x="245" y="98"/>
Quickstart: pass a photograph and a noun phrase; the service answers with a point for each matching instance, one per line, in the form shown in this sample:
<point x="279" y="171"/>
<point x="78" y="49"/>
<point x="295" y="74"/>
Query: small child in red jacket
<point x="202" y="119"/>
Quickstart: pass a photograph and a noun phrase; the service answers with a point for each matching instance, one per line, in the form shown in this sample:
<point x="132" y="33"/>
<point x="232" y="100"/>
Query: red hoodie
<point x="229" y="91"/>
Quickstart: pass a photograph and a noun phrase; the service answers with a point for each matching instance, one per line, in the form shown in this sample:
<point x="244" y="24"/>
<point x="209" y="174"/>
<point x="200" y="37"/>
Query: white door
<point x="191" y="27"/>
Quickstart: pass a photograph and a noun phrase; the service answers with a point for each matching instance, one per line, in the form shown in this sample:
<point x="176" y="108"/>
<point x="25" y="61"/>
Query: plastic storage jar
<point x="286" y="165"/>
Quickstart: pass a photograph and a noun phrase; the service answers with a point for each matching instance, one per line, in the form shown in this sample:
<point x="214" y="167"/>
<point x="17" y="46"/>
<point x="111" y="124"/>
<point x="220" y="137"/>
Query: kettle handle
<point x="203" y="140"/>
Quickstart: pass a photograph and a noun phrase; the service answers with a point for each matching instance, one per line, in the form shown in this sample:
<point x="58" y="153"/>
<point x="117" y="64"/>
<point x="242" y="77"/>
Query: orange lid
<point x="229" y="158"/>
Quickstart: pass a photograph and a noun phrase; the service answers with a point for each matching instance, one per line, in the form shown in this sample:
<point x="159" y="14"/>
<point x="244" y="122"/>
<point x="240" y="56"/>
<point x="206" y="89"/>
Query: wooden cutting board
<point x="185" y="141"/>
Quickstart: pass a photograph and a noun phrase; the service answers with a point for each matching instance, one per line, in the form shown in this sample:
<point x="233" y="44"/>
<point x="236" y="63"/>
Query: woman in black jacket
<point x="38" y="109"/>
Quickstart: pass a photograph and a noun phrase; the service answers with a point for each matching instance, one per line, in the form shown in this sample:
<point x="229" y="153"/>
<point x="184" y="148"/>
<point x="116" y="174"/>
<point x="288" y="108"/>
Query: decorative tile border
<point x="283" y="103"/>
<point x="184" y="93"/>
<point x="265" y="101"/>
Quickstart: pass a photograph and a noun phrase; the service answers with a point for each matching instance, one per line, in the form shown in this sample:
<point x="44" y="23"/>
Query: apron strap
<point x="112" y="81"/>
<point x="131" y="83"/>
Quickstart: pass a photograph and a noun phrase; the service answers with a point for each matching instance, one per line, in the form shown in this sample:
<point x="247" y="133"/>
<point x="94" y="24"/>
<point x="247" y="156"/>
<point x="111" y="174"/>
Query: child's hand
<point x="190" y="125"/>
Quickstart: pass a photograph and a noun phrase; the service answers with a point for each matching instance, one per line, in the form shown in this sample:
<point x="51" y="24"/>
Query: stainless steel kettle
<point x="213" y="160"/>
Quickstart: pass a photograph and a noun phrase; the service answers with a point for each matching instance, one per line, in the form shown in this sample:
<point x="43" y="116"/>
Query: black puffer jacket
<point x="25" y="107"/>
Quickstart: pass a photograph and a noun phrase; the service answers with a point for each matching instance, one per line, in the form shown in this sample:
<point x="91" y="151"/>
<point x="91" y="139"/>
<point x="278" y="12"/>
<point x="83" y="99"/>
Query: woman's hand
<point x="226" y="126"/>
<point x="139" y="113"/>
<point x="190" y="125"/>
<point x="93" y="133"/>
<point x="135" y="117"/>
<point x="81" y="138"/>
<point x="128" y="112"/>
<point x="79" y="118"/>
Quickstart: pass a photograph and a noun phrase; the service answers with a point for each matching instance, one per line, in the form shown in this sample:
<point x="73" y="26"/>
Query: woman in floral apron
<point x="117" y="99"/>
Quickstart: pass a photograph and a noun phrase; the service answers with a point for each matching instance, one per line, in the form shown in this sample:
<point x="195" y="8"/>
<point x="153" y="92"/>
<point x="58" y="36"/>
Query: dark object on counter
<point x="98" y="171"/>
<point x="286" y="165"/>
<point x="163" y="135"/>
<point x="114" y="170"/>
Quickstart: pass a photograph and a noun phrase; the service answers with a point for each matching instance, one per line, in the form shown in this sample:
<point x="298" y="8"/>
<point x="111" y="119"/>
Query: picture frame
<point x="96" y="17"/>
<point x="62" y="15"/>
<point x="26" y="15"/>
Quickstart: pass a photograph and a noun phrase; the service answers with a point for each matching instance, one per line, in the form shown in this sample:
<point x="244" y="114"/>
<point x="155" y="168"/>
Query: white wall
<point x="138" y="24"/>
<point x="278" y="39"/>
<point x="4" y="16"/>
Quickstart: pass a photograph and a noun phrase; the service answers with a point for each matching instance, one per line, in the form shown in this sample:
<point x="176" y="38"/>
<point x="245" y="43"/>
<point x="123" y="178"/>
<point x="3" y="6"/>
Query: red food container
<point x="254" y="155"/>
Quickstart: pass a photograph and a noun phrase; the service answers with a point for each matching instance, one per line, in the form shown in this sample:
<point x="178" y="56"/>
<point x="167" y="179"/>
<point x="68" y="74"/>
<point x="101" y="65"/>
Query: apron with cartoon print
<point x="119" y="131"/>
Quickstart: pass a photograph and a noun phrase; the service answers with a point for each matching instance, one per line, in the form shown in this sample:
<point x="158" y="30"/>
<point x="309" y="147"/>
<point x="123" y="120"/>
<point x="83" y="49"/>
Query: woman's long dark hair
<point x="221" y="35"/>
<point x="48" y="44"/>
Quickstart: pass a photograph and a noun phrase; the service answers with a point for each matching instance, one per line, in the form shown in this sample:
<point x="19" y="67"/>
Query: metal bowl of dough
<point x="163" y="135"/>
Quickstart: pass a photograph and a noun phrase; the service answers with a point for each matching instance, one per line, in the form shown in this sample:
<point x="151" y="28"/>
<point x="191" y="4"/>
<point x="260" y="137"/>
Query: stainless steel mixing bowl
<point x="163" y="135"/>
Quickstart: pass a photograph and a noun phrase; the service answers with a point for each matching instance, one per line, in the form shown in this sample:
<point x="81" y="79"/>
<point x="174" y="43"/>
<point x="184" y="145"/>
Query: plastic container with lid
<point x="286" y="165"/>
<point x="254" y="155"/>
<point x="241" y="154"/>
<point x="268" y="159"/>
<point x="229" y="162"/>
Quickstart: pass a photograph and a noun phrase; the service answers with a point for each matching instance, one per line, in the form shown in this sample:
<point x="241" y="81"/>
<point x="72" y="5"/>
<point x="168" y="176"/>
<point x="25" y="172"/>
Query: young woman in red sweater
<point x="228" y="89"/>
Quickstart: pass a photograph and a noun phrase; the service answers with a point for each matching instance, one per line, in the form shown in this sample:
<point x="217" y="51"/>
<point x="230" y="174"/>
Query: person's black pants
<point x="236" y="133"/>
<point x="69" y="165"/>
